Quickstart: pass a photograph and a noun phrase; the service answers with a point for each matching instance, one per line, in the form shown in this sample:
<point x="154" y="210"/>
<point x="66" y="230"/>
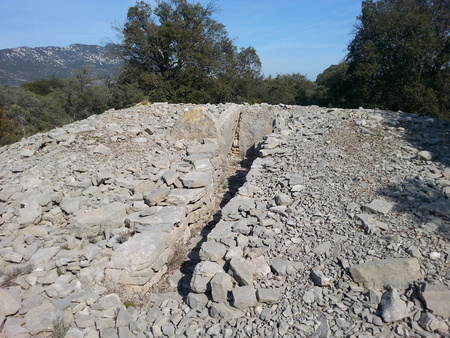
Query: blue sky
<point x="290" y="36"/>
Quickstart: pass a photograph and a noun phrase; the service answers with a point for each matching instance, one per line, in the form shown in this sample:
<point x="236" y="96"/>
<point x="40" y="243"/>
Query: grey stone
<point x="123" y="317"/>
<point x="269" y="295"/>
<point x="211" y="149"/>
<point x="379" y="206"/>
<point x="259" y="266"/>
<point x="439" y="207"/>
<point x="41" y="318"/>
<point x="392" y="307"/>
<point x="140" y="251"/>
<point x="195" y="179"/>
<point x="424" y="155"/>
<point x="253" y="125"/>
<point x="436" y="298"/>
<point x="144" y="187"/>
<point x="102" y="323"/>
<point x="74" y="332"/>
<point x="320" y="279"/>
<point x="84" y="321"/>
<point x="109" y="216"/>
<point x="104" y="176"/>
<point x="196" y="124"/>
<point x="370" y="224"/>
<point x="432" y="324"/>
<point x="170" y="176"/>
<point x="13" y="257"/>
<point x="10" y="303"/>
<point x="282" y="267"/>
<point x="108" y="332"/>
<point x="109" y="301"/>
<point x="241" y="272"/>
<point x="221" y="284"/>
<point x="157" y="196"/>
<point x="323" y="248"/>
<point x="244" y="296"/>
<point x="168" y="329"/>
<point x="59" y="289"/>
<point x="30" y="213"/>
<point x="170" y="215"/>
<point x="323" y="330"/>
<point x="43" y="256"/>
<point x="71" y="205"/>
<point x="202" y="275"/>
<point x="125" y="332"/>
<point x="242" y="227"/>
<point x="102" y="149"/>
<point x="3" y="209"/>
<point x="282" y="199"/>
<point x="395" y="272"/>
<point x="185" y="196"/>
<point x="197" y="301"/>
<point x="212" y="251"/>
<point x="222" y="311"/>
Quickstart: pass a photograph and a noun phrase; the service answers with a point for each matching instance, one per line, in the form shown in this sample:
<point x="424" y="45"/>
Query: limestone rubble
<point x="133" y="223"/>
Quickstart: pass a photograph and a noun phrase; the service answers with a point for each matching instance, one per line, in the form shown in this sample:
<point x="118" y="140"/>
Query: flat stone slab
<point x="10" y="303"/>
<point x="185" y="196"/>
<point x="371" y="224"/>
<point x="244" y="297"/>
<point x="269" y="295"/>
<point x="212" y="251"/>
<point x="140" y="251"/>
<point x="395" y="272"/>
<point x="111" y="216"/>
<point x="222" y="230"/>
<point x="195" y="179"/>
<point x="241" y="272"/>
<point x="436" y="298"/>
<point x="164" y="215"/>
<point x="379" y="206"/>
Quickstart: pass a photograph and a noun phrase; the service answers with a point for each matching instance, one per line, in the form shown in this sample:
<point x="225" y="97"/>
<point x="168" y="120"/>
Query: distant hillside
<point x="24" y="64"/>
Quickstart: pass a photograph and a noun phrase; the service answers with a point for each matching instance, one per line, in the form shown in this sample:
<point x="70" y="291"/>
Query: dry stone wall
<point x="341" y="228"/>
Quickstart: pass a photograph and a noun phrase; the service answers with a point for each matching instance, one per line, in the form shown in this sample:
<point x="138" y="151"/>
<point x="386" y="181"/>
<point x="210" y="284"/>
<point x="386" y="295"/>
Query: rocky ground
<point x="341" y="228"/>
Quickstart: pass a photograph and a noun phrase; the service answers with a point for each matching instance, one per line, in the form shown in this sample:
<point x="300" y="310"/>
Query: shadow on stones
<point x="421" y="196"/>
<point x="235" y="177"/>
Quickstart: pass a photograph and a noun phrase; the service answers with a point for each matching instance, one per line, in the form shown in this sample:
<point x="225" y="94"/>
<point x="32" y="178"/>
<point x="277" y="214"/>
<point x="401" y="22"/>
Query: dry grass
<point x="8" y="278"/>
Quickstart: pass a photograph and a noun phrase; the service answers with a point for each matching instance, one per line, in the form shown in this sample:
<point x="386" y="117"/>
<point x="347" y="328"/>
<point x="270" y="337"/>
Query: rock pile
<point x="342" y="227"/>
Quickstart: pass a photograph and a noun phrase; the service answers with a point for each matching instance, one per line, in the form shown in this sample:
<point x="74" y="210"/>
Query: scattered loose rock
<point x="339" y="228"/>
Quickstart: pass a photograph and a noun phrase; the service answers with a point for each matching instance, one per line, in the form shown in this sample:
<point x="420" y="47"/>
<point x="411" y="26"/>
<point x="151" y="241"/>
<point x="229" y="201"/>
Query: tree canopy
<point x="175" y="51"/>
<point x="400" y="56"/>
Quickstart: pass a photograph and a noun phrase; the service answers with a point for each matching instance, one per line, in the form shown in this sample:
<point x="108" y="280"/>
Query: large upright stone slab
<point x="395" y="272"/>
<point x="196" y="124"/>
<point x="254" y="124"/>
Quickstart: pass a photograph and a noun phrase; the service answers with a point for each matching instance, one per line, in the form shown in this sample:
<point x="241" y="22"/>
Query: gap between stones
<point x="186" y="258"/>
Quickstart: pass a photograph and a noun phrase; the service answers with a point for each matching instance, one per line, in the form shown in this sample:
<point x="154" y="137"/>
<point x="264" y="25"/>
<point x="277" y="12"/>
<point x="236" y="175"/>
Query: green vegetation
<point x="399" y="59"/>
<point x="176" y="52"/>
<point x="59" y="328"/>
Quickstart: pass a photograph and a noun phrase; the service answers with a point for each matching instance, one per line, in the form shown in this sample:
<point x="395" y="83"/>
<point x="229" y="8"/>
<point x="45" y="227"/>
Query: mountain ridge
<point x="24" y="64"/>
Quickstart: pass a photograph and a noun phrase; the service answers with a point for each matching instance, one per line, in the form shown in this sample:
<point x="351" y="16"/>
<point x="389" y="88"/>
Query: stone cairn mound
<point x="130" y="224"/>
